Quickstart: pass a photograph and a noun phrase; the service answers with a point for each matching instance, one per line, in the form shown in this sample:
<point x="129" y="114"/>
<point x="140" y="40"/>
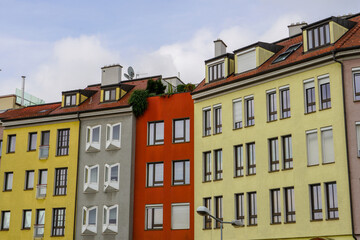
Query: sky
<point x="62" y="45"/>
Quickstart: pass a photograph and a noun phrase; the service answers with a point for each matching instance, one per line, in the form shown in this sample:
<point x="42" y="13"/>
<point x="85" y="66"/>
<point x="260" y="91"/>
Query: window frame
<point x="107" y="225"/>
<point x="287" y="152"/>
<point x="275" y="206"/>
<point x="316" y="156"/>
<point x="88" y="185"/>
<point x="24" y="216"/>
<point x="70" y="102"/>
<point x="38" y="223"/>
<point x="63" y="142"/>
<point x="60" y="182"/>
<point x="271" y="105"/>
<point x="252" y="209"/>
<point x="285" y="105"/>
<point x="289" y="202"/>
<point x="316" y="204"/>
<point x="173" y="216"/>
<point x="206" y="122"/>
<point x="92" y="144"/>
<point x="109" y="183"/>
<point x="153" y="138"/>
<point x="274" y="160"/>
<point x="154" y="182"/>
<point x="58" y="225"/>
<point x="237" y="123"/>
<point x="309" y="92"/>
<point x="112" y="143"/>
<point x="186" y="130"/>
<point x="357" y="130"/>
<point x="323" y="147"/>
<point x="86" y="217"/>
<point x="251" y="161"/>
<point x="186" y="172"/>
<point x="332" y="207"/>
<point x="111" y="91"/>
<point x="356" y="76"/>
<point x="326" y="36"/>
<point x="239" y="207"/>
<point x="3" y="219"/>
<point x="218" y="207"/>
<point x="324" y="99"/>
<point x="27" y="178"/>
<point x="214" y="70"/>
<point x="249" y="111"/>
<point x="207" y="219"/>
<point x="218" y="165"/>
<point x="217" y="119"/>
<point x="7" y="177"/>
<point x="11" y="143"/>
<point x="153" y="225"/>
<point x="238" y="161"/>
<point x="1" y="146"/>
<point x="207" y="167"/>
<point x="31" y="146"/>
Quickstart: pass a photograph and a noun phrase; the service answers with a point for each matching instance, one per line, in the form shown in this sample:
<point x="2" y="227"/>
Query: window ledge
<point x="155" y="186"/>
<point x="238" y="176"/>
<point x="65" y="155"/>
<point x="217" y="180"/>
<point x="313" y="165"/>
<point x="158" y="229"/>
<point x="180" y="185"/>
<point x="154" y="145"/>
<point x="180" y="142"/>
<point x="206" y="181"/>
<point x="279" y="223"/>
<point x="327" y="163"/>
<point x="323" y="109"/>
<point x="332" y="219"/>
<point x="269" y="121"/>
<point x="217" y="133"/>
<point x="207" y="229"/>
<point x="63" y="195"/>
<point x="316" y="220"/>
<point x="273" y="171"/>
<point x="289" y="222"/>
<point x="206" y="135"/>
<point x="237" y="128"/>
<point x="249" y="126"/>
<point x="287" y="169"/>
<point x="7" y="190"/>
<point x="251" y="225"/>
<point x="307" y="113"/>
<point x="282" y="118"/>
<point x="252" y="174"/>
<point x="9" y="152"/>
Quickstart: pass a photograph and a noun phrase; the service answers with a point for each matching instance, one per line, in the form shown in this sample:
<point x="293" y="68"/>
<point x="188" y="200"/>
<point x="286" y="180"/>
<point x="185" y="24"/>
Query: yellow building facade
<point x="304" y="128"/>
<point x="38" y="175"/>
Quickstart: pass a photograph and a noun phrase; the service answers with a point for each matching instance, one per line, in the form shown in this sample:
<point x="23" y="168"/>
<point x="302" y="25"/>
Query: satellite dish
<point x="127" y="76"/>
<point x="130" y="75"/>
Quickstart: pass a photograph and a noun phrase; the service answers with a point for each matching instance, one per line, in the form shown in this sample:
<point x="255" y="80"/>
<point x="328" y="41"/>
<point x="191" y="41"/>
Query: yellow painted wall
<point x="300" y="176"/>
<point x="63" y="101"/>
<point x="22" y="160"/>
<point x="122" y="93"/>
<point x="83" y="98"/>
<point x="336" y="31"/>
<point x="305" y="44"/>
<point x="102" y="95"/>
<point x="262" y="55"/>
<point x="232" y="67"/>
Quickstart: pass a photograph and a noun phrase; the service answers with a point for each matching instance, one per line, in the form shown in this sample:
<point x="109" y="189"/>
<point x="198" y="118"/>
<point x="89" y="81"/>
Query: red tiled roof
<point x="91" y="104"/>
<point x="350" y="39"/>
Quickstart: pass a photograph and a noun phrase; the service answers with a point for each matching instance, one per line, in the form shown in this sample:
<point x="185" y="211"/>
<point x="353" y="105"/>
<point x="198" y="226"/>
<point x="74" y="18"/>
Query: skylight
<point x="287" y="53"/>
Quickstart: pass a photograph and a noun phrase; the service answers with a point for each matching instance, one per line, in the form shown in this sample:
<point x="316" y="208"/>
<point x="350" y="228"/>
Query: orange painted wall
<point x="163" y="108"/>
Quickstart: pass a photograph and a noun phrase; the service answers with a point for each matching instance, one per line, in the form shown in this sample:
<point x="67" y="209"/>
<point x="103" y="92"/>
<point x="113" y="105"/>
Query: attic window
<point x="287" y="53"/>
<point x="109" y="94"/>
<point x="70" y="100"/>
<point x="318" y="36"/>
<point x="216" y="71"/>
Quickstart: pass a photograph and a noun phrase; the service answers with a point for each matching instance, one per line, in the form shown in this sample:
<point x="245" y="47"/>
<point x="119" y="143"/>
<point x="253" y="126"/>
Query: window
<point x="5" y="220"/>
<point x="324" y="87"/>
<point x="289" y="205"/>
<point x="156" y="133"/>
<point x="8" y="181"/>
<point x="112" y="176"/>
<point x="239" y="162"/>
<point x="275" y="206"/>
<point x="287" y="152"/>
<point x="239" y="207"/>
<point x="110" y="219"/>
<point x="39" y="223"/>
<point x="237" y="113"/>
<point x="318" y="36"/>
<point x="252" y="208"/>
<point x="274" y="154"/>
<point x="331" y="201"/>
<point x="89" y="220"/>
<point x="310" y="105"/>
<point x="218" y="210"/>
<point x="312" y="148"/>
<point x="207" y="219"/>
<point x="63" y="142"/>
<point x="181" y="130"/>
<point x="358" y="138"/>
<point x="44" y="146"/>
<point x="113" y="136"/>
<point x="58" y="225"/>
<point x="251" y="163"/>
<point x="207" y="122"/>
<point x="1" y="142"/>
<point x="216" y="71"/>
<point x="249" y="108"/>
<point x="285" y="103"/>
<point x="60" y="181"/>
<point x="93" y="138"/>
<point x="91" y="178"/>
<point x="287" y="53"/>
<point x="327" y="145"/>
<point x="155" y="174"/>
<point x="272" y="109"/>
<point x="218" y="164"/>
<point x="316" y="204"/>
<point x="180" y="216"/>
<point x="70" y="100"/>
<point x="207" y="166"/>
<point x="357" y="86"/>
<point x="246" y="60"/>
<point x="181" y="172"/>
<point x="32" y="141"/>
<point x="26" y="219"/>
<point x="29" y="179"/>
<point x="217" y="120"/>
<point x="154" y="217"/>
<point x="41" y="187"/>
<point x="109" y="94"/>
<point x="11" y="143"/>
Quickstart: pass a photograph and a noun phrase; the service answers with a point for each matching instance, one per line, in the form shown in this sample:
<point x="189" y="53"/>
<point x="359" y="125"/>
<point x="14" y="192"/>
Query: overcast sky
<point x="61" y="45"/>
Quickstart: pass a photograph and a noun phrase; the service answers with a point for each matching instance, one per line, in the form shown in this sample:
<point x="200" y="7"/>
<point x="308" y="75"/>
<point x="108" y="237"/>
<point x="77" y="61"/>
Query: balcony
<point x="38" y="231"/>
<point x="41" y="191"/>
<point x="43" y="152"/>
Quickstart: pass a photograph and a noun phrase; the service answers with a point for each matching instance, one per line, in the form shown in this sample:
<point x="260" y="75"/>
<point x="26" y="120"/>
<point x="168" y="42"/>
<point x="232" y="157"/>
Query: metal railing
<point x="41" y="191"/>
<point x="43" y="152"/>
<point x="39" y="230"/>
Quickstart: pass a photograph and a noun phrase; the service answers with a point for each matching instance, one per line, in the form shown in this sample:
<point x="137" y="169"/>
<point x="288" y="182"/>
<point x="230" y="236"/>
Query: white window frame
<point x="310" y="83"/>
<point x="354" y="72"/>
<point x="87" y="228"/>
<point x="92" y="145"/>
<point x="324" y="160"/>
<point x="89" y="186"/>
<point x="240" y="120"/>
<point x="110" y="142"/>
<point x="153" y="206"/>
<point x="323" y="79"/>
<point x="215" y="108"/>
<point x="317" y="147"/>
<point x="174" y="217"/>
<point x="246" y="100"/>
<point x="107" y="226"/>
<point x="357" y="125"/>
<point x="204" y="121"/>
<point x="110" y="185"/>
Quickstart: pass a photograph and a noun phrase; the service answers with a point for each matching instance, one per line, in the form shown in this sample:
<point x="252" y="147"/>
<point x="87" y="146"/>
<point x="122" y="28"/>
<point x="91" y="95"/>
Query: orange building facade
<point x="164" y="187"/>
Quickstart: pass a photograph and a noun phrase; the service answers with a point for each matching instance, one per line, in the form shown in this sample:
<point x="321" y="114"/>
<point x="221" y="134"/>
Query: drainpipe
<point x="77" y="175"/>
<point x="346" y="142"/>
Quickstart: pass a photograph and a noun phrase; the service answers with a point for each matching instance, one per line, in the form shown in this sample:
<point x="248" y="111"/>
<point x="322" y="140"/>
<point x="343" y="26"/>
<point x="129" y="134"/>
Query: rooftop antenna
<point x="130" y="75"/>
<point x="138" y="74"/>
<point x="22" y="90"/>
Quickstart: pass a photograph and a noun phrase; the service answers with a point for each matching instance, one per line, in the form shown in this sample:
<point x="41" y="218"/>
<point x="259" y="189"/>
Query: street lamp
<point x="204" y="211"/>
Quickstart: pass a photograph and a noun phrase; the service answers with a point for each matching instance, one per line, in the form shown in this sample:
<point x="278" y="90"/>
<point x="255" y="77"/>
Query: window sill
<point x="287" y="169"/>
<point x="237" y="128"/>
<point x="307" y="113"/>
<point x="26" y="229"/>
<point x="270" y="121"/>
<point x="180" y="185"/>
<point x="207" y="229"/>
<point x="158" y="229"/>
<point x="206" y="181"/>
<point x="327" y="163"/>
<point x="155" y="145"/>
<point x="34" y="150"/>
<point x="206" y="135"/>
<point x="332" y="219"/>
<point x="251" y="225"/>
<point x="289" y="222"/>
<point x="249" y="126"/>
<point x="316" y="220"/>
<point x="63" y="195"/>
<point x="282" y="118"/>
<point x="217" y="180"/>
<point x="273" y="171"/>
<point x="10" y="190"/>
<point x="4" y="229"/>
<point x="92" y="151"/>
<point x="313" y="165"/>
<point x="28" y="189"/>
<point x="57" y="235"/>
<point x="62" y="155"/>
<point x="239" y="176"/>
<point x="180" y="142"/>
<point x="155" y="186"/>
<point x="252" y="174"/>
<point x="217" y="133"/>
<point x="10" y="152"/>
<point x="279" y="223"/>
<point x="323" y="109"/>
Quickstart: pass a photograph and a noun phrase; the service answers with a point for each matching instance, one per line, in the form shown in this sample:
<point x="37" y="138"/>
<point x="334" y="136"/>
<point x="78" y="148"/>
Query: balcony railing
<point x="41" y="191"/>
<point x="43" y="152"/>
<point x="39" y="230"/>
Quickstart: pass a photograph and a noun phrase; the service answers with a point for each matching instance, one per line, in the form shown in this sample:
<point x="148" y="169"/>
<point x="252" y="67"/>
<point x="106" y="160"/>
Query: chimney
<point x="220" y="47"/>
<point x="295" y="28"/>
<point x="111" y="74"/>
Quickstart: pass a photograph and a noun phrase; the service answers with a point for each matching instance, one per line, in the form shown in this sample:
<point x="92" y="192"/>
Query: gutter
<point x="77" y="175"/>
<point x="346" y="142"/>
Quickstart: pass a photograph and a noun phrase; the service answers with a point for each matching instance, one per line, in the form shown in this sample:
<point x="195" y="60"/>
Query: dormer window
<point x="70" y="100"/>
<point x="216" y="71"/>
<point x="109" y="94"/>
<point x="318" y="36"/>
